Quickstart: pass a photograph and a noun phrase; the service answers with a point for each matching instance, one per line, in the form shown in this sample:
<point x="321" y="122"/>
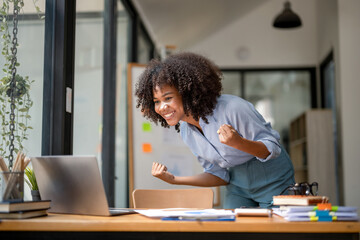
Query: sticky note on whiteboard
<point x="146" y="126"/>
<point x="146" y="147"/>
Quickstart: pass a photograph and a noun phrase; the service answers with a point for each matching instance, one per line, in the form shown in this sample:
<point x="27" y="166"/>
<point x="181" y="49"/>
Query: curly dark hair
<point x="197" y="79"/>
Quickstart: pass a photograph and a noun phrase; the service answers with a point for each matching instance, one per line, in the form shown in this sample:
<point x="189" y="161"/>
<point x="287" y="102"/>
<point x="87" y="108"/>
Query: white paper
<point x="190" y="213"/>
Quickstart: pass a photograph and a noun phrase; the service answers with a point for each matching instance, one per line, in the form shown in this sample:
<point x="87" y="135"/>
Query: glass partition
<point x="144" y="47"/>
<point x="280" y="96"/>
<point x="232" y="83"/>
<point x="88" y="79"/>
<point x="31" y="58"/>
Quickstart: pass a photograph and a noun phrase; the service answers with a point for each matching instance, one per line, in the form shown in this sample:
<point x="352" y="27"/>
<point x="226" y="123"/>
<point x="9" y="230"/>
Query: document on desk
<point x="189" y="214"/>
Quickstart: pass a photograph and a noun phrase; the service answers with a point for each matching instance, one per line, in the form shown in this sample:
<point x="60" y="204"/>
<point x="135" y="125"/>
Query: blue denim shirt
<point x="216" y="157"/>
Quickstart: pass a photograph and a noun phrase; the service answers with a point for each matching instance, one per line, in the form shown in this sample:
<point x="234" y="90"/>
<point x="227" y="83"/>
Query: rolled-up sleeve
<point x="272" y="147"/>
<point x="252" y="126"/>
<point x="214" y="169"/>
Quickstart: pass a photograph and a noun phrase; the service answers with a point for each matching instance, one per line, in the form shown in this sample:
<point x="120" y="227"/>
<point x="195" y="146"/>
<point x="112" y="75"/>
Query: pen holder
<point x="12" y="186"/>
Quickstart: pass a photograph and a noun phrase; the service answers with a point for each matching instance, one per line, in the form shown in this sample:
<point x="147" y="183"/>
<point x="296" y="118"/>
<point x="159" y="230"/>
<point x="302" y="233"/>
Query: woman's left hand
<point x="229" y="136"/>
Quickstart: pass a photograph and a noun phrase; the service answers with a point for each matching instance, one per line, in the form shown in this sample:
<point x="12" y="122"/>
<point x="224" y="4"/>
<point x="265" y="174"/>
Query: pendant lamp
<point x="287" y="19"/>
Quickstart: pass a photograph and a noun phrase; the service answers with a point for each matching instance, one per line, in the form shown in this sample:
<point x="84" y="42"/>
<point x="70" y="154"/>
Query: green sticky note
<point x="146" y="127"/>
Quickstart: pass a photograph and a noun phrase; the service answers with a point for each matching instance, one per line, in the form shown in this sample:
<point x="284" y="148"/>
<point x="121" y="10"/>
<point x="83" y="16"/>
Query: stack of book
<point x="301" y="208"/>
<point x="317" y="214"/>
<point x="26" y="209"/>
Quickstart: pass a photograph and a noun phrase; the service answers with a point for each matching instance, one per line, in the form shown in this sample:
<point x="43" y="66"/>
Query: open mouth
<point x="168" y="115"/>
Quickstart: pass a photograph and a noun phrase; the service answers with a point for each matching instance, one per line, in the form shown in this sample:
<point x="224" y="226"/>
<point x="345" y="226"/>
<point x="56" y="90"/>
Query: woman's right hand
<point x="160" y="171"/>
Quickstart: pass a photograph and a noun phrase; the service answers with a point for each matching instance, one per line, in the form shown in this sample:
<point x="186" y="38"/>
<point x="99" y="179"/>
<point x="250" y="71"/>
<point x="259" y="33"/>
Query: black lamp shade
<point x="287" y="19"/>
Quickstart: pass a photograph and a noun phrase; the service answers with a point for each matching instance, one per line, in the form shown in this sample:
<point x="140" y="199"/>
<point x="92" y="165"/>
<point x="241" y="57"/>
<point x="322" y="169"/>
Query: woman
<point x="231" y="140"/>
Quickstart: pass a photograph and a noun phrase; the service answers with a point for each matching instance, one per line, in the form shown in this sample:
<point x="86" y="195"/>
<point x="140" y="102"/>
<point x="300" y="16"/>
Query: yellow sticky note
<point x="146" y="126"/>
<point x="147" y="148"/>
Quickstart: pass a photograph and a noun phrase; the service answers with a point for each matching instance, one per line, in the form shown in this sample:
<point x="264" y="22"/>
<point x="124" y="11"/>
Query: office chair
<point x="173" y="198"/>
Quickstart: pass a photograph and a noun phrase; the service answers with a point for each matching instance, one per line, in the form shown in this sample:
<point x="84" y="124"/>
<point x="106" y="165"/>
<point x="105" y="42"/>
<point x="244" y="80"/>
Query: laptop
<point x="74" y="185"/>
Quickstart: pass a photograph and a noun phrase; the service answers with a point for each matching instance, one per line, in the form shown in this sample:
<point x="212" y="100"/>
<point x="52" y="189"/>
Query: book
<point x="320" y="219"/>
<point x="301" y="200"/>
<point x="23" y="214"/>
<point x="6" y="207"/>
<point x="253" y="212"/>
<point x="312" y="213"/>
<point x="319" y="213"/>
<point x="294" y="209"/>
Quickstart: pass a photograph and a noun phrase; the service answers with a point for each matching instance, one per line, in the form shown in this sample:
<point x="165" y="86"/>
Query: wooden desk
<point x="134" y="226"/>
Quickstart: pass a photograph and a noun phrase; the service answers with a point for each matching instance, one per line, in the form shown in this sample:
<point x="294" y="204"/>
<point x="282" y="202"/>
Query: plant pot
<point x="35" y="194"/>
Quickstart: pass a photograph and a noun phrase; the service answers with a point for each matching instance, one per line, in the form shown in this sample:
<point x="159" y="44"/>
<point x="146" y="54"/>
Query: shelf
<point x="300" y="169"/>
<point x="311" y="145"/>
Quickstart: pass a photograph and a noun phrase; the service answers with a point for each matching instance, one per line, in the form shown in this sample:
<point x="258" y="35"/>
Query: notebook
<point x="74" y="185"/>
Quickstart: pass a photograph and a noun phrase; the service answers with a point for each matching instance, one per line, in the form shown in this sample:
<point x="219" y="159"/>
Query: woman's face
<point x="168" y="103"/>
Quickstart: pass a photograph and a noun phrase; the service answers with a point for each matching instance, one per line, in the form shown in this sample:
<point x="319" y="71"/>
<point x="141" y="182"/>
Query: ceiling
<point x="182" y="23"/>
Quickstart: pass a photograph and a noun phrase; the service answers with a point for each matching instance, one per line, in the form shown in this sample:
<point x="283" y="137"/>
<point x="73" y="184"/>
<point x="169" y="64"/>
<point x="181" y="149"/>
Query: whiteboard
<point x="150" y="143"/>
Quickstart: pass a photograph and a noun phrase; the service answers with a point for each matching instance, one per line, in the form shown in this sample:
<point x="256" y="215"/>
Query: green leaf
<point x="31" y="178"/>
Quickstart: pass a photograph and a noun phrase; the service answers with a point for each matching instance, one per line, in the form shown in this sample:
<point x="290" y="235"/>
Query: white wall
<point x="349" y="79"/>
<point x="328" y="37"/>
<point x="338" y="30"/>
<point x="259" y="44"/>
<point x="328" y="28"/>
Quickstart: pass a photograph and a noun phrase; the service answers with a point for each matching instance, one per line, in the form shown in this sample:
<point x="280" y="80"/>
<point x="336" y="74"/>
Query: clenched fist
<point x="160" y="171"/>
<point x="229" y="136"/>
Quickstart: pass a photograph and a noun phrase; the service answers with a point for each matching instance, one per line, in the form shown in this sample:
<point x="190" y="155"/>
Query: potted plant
<point x="22" y="105"/>
<point x="31" y="182"/>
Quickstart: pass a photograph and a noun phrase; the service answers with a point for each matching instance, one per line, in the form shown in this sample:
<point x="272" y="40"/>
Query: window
<point x="328" y="95"/>
<point x="88" y="79"/>
<point x="144" y="48"/>
<point x="30" y="55"/>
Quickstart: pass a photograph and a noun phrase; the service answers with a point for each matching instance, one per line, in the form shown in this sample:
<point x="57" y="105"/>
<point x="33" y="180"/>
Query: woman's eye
<point x="168" y="98"/>
<point x="156" y="102"/>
